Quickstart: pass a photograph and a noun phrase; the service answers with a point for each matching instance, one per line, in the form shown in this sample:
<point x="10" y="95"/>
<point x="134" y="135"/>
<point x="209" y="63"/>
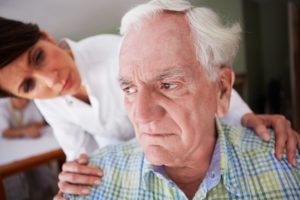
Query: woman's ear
<point x="47" y="36"/>
<point x="225" y="82"/>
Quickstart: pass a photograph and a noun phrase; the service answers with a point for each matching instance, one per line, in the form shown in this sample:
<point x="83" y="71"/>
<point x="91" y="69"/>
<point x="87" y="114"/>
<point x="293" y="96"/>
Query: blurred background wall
<point x="266" y="73"/>
<point x="75" y="19"/>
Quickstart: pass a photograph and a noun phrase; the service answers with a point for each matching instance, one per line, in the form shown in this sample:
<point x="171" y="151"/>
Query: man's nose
<point x="147" y="107"/>
<point x="48" y="77"/>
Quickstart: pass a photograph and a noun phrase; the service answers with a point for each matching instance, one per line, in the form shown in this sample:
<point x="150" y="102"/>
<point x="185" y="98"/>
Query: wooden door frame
<point x="294" y="44"/>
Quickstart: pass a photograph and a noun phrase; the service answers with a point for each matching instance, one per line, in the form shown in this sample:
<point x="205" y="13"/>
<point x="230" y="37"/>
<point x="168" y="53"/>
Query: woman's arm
<point x="76" y="177"/>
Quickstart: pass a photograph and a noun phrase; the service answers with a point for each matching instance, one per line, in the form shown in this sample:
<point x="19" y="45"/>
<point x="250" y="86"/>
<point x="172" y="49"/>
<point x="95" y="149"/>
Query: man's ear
<point x="47" y="36"/>
<point x="225" y="82"/>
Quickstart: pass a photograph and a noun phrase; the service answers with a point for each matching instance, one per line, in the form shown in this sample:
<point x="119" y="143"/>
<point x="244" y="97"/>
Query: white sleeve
<point x="71" y="137"/>
<point x="237" y="109"/>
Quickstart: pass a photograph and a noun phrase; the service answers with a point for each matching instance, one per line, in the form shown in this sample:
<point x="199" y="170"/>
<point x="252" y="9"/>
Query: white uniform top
<point x="9" y="117"/>
<point x="80" y="127"/>
<point x="237" y="109"/>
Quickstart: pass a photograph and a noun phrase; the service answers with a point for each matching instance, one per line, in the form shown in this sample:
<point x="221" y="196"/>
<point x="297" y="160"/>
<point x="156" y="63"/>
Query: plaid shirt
<point x="248" y="169"/>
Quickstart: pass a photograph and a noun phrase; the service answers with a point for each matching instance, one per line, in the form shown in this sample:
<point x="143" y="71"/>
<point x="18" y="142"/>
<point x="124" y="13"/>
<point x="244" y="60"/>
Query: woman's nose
<point x="49" y="78"/>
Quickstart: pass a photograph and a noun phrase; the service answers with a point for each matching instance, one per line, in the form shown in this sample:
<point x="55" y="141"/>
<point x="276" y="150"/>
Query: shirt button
<point x="69" y="102"/>
<point x="213" y="175"/>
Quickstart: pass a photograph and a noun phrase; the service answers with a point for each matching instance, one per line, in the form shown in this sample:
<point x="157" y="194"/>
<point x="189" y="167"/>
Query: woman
<point x="84" y="104"/>
<point x="80" y="80"/>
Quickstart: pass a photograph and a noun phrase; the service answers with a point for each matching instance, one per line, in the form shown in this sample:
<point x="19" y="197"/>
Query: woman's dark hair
<point x="15" y="38"/>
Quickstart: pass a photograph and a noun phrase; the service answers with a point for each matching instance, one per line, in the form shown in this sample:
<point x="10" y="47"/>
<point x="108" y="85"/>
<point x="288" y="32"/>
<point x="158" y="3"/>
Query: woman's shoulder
<point x="100" y="41"/>
<point x="51" y="106"/>
<point x="95" y="50"/>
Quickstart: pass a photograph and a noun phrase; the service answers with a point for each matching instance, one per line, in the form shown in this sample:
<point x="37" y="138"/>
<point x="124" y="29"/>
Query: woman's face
<point x="43" y="71"/>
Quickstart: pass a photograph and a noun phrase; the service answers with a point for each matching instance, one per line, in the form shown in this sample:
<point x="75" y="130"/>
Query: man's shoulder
<point x="245" y="140"/>
<point x="121" y="165"/>
<point x="248" y="161"/>
<point x="243" y="143"/>
<point x="113" y="156"/>
<point x="128" y="148"/>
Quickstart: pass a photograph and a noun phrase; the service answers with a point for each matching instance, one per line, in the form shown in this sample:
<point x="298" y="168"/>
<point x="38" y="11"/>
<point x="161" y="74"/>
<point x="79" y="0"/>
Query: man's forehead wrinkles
<point x="175" y="70"/>
<point x="156" y="75"/>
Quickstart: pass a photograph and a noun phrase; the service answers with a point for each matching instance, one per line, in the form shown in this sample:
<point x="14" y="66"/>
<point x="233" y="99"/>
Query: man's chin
<point x="157" y="155"/>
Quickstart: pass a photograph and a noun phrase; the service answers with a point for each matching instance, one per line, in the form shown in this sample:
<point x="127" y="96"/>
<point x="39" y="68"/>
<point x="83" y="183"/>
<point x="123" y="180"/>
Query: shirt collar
<point x="213" y="175"/>
<point x="226" y="164"/>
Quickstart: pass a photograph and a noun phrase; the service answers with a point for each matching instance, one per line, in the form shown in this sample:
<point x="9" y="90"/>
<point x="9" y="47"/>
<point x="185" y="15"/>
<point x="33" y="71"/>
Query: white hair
<point x="216" y="44"/>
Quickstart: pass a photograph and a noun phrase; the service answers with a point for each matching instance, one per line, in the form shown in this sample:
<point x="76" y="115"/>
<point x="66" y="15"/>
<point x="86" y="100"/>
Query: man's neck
<point x="189" y="177"/>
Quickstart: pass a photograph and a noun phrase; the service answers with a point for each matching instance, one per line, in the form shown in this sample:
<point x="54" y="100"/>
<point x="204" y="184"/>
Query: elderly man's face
<point x="168" y="98"/>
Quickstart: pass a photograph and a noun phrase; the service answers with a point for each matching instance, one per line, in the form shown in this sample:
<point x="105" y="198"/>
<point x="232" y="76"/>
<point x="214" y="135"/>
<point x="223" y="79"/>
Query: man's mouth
<point x="157" y="134"/>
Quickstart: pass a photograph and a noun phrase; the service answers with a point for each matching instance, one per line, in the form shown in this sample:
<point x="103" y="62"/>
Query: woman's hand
<point x="285" y="136"/>
<point x="77" y="178"/>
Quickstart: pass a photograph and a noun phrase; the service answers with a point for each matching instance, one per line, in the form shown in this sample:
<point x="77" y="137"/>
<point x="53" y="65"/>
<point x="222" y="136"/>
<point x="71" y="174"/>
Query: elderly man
<point x="175" y="74"/>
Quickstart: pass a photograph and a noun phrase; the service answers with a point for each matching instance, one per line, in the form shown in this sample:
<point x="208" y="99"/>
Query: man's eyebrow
<point x="124" y="81"/>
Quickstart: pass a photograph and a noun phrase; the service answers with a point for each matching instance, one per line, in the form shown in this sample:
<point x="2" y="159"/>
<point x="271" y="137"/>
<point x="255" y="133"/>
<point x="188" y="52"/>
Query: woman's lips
<point x="67" y="85"/>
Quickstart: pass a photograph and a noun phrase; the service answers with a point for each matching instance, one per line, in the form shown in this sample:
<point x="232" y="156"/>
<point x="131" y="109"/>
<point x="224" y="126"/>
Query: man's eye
<point x="39" y="57"/>
<point x="28" y="85"/>
<point x="130" y="90"/>
<point x="168" y="86"/>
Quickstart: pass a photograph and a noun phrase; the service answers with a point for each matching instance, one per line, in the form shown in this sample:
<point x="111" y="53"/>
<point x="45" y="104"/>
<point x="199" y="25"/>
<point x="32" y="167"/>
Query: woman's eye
<point x="130" y="90"/>
<point x="168" y="86"/>
<point x="39" y="57"/>
<point x="28" y="85"/>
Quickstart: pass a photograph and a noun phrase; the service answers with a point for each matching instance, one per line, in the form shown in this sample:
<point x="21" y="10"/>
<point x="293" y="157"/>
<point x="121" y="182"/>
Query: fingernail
<point x="279" y="156"/>
<point x="97" y="182"/>
<point x="85" y="191"/>
<point x="266" y="136"/>
<point x="294" y="162"/>
<point x="100" y="173"/>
